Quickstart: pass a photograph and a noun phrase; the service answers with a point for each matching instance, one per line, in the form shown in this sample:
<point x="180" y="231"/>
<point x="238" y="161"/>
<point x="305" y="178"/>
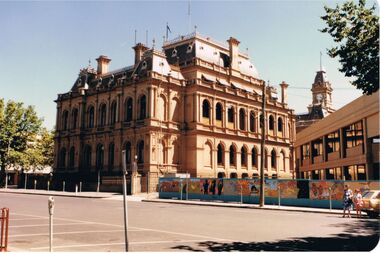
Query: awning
<point x="208" y="78"/>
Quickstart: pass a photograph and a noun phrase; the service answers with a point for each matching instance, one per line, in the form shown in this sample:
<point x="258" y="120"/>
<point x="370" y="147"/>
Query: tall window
<point x="142" y="103"/>
<point x="317" y="147"/>
<point x="271" y="122"/>
<point x="254" y="157"/>
<point x="242" y="119"/>
<point x="111" y="156"/>
<point x="305" y="152"/>
<point x="205" y="109"/>
<point x="232" y="155"/>
<point x="243" y="155"/>
<point x="354" y="134"/>
<point x="266" y="159"/>
<point x="128" y="110"/>
<point x="113" y="112"/>
<point x="74" y="118"/>
<point x="87" y="158"/>
<point x="252" y="121"/>
<point x="71" y="157"/>
<point x="333" y="144"/>
<point x="220" y="157"/>
<point x="128" y="153"/>
<point x="219" y="112"/>
<point x="102" y="115"/>
<point x="65" y="116"/>
<point x="279" y="124"/>
<point x="62" y="158"/>
<point x="140" y="152"/>
<point x="230" y="114"/>
<point x="90" y="117"/>
<point x="99" y="157"/>
<point x="273" y="160"/>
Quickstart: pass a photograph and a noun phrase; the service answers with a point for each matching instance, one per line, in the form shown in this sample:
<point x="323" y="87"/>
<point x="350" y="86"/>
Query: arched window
<point x="252" y="121"/>
<point x="74" y="118"/>
<point x="142" y="107"/>
<point x="99" y="157"/>
<point x="65" y="116"/>
<point x="90" y="117"/>
<point x="113" y="112"/>
<point x="233" y="175"/>
<point x="283" y="161"/>
<point x="243" y="155"/>
<point x="273" y="157"/>
<point x="242" y="119"/>
<point x="140" y="152"/>
<point x="220" y="156"/>
<point x="219" y="112"/>
<point x="279" y="124"/>
<point x="62" y="158"/>
<point x="205" y="109"/>
<point x="128" y="110"/>
<point x="71" y="157"/>
<point x="230" y="114"/>
<point x="266" y="159"/>
<point x="244" y="175"/>
<point x="254" y="157"/>
<point x="128" y="153"/>
<point x="232" y="155"/>
<point x="102" y="115"/>
<point x="87" y="157"/>
<point x="271" y="122"/>
<point x="111" y="156"/>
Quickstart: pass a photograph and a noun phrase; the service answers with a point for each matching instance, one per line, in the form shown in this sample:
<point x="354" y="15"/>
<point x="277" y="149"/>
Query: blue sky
<point x="44" y="44"/>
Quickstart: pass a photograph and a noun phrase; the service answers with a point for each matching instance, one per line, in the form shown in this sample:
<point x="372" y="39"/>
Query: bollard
<point x="330" y="197"/>
<point x="76" y="189"/>
<point x="51" y="212"/>
<point x="80" y="186"/>
<point x="63" y="186"/>
<point x="279" y="196"/>
<point x="4" y="229"/>
<point x="181" y="189"/>
<point x="48" y="185"/>
<point x="35" y="184"/>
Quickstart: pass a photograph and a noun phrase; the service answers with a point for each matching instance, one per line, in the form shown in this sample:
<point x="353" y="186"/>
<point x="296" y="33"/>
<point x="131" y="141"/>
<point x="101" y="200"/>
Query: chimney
<point x="103" y="62"/>
<point x="139" y="51"/>
<point x="284" y="94"/>
<point x="234" y="52"/>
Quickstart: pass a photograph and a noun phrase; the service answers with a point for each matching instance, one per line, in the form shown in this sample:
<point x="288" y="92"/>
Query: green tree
<point x="19" y="129"/>
<point x="356" y="29"/>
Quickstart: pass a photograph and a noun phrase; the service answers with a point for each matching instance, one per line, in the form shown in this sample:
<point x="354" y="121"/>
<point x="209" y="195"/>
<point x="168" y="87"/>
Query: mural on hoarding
<point x="321" y="190"/>
<point x="169" y="185"/>
<point x="288" y="188"/>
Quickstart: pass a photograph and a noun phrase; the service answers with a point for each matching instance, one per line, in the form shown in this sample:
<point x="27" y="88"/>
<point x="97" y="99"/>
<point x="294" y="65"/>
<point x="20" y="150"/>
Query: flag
<point x="168" y="28"/>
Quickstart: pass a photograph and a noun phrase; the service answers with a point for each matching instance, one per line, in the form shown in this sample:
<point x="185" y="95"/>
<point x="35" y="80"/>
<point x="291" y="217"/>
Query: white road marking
<point x="116" y="243"/>
<point x="72" y="232"/>
<point x="28" y="219"/>
<point x="46" y="225"/>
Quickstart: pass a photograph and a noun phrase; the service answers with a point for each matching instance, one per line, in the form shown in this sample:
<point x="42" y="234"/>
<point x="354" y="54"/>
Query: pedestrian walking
<point x="358" y="200"/>
<point x="347" y="201"/>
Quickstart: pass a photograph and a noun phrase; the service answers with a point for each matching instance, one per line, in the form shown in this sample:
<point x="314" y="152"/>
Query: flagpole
<point x="167" y="29"/>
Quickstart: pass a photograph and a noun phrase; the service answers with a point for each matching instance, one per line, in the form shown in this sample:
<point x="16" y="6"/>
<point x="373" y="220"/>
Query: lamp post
<point x="125" y="200"/>
<point x="262" y="159"/>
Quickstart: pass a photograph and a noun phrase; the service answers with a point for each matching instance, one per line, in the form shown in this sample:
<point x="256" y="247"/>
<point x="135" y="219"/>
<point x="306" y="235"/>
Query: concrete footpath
<point x="153" y="198"/>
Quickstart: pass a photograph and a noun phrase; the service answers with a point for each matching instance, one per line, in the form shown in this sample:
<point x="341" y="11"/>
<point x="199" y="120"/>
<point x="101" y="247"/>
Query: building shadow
<point x="359" y="235"/>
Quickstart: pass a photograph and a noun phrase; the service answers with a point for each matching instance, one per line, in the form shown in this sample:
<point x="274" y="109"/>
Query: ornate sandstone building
<point x="192" y="107"/>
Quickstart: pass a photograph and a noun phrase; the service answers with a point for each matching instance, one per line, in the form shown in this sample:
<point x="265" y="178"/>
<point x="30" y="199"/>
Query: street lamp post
<point x="125" y="200"/>
<point x="262" y="159"/>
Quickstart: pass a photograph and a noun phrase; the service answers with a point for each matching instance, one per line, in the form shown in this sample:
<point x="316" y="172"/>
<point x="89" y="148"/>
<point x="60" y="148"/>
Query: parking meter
<point x="51" y="205"/>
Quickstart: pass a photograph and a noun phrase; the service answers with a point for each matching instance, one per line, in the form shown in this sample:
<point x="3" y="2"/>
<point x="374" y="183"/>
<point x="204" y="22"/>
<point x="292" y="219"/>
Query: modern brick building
<point x="192" y="107"/>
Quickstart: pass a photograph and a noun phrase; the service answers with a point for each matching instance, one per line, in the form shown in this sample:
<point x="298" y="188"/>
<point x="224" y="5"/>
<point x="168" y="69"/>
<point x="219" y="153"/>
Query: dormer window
<point x="144" y="65"/>
<point x="174" y="53"/>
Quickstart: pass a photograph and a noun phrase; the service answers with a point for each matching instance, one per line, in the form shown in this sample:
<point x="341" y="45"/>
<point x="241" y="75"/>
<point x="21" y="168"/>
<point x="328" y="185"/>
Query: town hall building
<point x="192" y="107"/>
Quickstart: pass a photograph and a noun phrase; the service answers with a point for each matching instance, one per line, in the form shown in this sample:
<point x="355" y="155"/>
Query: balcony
<point x="333" y="156"/>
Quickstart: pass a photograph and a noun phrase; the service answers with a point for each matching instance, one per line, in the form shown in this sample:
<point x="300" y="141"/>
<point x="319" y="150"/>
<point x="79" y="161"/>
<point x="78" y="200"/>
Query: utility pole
<point x="262" y="158"/>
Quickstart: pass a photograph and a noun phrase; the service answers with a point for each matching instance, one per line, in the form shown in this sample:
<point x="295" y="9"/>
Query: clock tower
<point x="321" y="91"/>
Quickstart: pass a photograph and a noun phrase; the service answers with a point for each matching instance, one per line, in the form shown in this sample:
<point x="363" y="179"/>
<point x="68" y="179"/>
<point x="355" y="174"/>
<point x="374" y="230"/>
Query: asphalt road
<point x="83" y="224"/>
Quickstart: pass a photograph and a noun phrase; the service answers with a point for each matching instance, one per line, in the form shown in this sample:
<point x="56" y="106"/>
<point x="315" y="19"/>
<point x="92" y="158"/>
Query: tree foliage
<point x="356" y="29"/>
<point x="23" y="142"/>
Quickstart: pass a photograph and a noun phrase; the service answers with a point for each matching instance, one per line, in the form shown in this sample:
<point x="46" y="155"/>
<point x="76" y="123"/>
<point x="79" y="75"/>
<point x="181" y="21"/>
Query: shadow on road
<point x="359" y="235"/>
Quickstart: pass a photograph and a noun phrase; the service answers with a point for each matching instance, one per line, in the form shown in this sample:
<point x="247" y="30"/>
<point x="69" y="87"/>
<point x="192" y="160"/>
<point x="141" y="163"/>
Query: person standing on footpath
<point x="358" y="200"/>
<point x="347" y="201"/>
